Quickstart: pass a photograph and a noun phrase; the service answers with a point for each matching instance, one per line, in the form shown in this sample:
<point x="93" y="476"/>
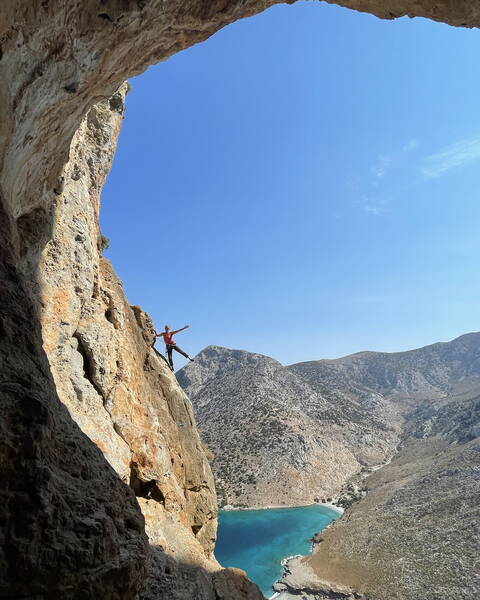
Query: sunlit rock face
<point x="119" y="391"/>
<point x="90" y="416"/>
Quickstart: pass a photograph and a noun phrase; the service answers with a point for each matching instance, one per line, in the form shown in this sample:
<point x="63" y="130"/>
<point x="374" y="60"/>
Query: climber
<point x="170" y="343"/>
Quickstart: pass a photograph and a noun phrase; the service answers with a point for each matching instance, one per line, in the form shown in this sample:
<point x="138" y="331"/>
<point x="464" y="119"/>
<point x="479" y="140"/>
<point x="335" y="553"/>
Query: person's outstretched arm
<point x="159" y="334"/>
<point x="179" y="330"/>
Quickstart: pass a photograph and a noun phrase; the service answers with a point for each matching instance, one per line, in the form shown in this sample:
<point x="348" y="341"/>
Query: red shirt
<point x="168" y="339"/>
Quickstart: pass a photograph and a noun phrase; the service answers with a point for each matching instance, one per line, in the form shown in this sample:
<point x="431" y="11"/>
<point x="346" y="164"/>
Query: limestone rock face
<point x="119" y="391"/>
<point x="69" y="526"/>
<point x="117" y="388"/>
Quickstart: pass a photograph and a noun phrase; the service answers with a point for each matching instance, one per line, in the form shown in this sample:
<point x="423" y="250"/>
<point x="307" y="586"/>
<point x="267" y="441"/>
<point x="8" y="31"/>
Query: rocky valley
<point x="296" y="434"/>
<point x="415" y="534"/>
<point x="400" y="432"/>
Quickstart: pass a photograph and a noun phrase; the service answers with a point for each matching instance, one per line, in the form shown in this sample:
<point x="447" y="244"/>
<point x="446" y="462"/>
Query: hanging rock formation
<point x="117" y="388"/>
<point x="90" y="416"/>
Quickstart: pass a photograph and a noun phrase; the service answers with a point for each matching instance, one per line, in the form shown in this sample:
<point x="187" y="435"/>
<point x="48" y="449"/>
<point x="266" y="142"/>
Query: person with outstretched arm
<point x="170" y="344"/>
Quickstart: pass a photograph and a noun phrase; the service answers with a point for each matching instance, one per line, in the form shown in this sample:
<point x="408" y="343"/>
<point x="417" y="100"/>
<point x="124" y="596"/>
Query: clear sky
<point x="304" y="184"/>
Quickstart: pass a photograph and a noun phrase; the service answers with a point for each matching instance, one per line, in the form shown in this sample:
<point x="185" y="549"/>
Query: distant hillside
<point x="295" y="434"/>
<point x="415" y="535"/>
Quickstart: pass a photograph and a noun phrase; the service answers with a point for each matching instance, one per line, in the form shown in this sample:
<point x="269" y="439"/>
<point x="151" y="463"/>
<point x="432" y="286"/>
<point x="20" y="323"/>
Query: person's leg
<point x="169" y="355"/>
<point x="160" y="355"/>
<point x="182" y="352"/>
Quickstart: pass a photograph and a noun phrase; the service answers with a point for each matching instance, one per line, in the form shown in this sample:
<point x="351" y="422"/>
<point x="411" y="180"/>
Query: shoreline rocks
<point x="299" y="581"/>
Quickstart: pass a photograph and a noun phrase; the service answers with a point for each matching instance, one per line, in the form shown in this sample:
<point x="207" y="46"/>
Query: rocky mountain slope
<point x="415" y="535"/>
<point x="294" y="435"/>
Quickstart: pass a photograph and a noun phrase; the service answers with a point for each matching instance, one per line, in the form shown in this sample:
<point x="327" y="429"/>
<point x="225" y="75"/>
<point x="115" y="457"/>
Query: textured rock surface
<point x="70" y="526"/>
<point x="115" y="386"/>
<point x="290" y="435"/>
<point x="122" y="395"/>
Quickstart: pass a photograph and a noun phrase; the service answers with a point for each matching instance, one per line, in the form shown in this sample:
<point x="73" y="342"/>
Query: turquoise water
<point x="257" y="540"/>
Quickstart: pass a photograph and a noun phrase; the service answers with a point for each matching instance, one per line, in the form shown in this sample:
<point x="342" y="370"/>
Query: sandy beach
<point x="337" y="509"/>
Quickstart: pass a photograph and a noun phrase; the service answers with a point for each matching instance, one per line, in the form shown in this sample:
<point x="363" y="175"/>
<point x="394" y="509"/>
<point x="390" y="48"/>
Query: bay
<point x="257" y="540"/>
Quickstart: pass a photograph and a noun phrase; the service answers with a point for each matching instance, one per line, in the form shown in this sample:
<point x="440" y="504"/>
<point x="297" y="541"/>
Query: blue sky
<point x="304" y="184"/>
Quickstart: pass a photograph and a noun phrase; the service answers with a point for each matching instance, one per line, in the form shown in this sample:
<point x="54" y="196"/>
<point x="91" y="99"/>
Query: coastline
<point x="334" y="507"/>
<point x="310" y="533"/>
<point x="295" y="579"/>
<point x="283" y="594"/>
<point x="301" y="576"/>
<point x="285" y="562"/>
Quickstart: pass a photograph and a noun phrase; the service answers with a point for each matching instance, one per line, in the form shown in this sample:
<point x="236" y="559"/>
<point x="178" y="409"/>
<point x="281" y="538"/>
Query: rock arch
<point x="59" y="58"/>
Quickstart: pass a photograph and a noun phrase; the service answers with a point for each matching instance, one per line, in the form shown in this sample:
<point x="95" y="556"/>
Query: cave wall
<point x="77" y="427"/>
<point x="117" y="389"/>
<point x="69" y="526"/>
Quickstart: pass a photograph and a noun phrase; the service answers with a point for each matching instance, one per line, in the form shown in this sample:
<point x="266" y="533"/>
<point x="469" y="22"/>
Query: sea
<point x="257" y="540"/>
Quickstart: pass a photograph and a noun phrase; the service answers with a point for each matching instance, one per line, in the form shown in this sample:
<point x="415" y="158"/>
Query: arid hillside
<point x="296" y="434"/>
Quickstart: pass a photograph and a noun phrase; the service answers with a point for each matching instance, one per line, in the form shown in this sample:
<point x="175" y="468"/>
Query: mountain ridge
<point x="468" y="335"/>
<point x="274" y="427"/>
